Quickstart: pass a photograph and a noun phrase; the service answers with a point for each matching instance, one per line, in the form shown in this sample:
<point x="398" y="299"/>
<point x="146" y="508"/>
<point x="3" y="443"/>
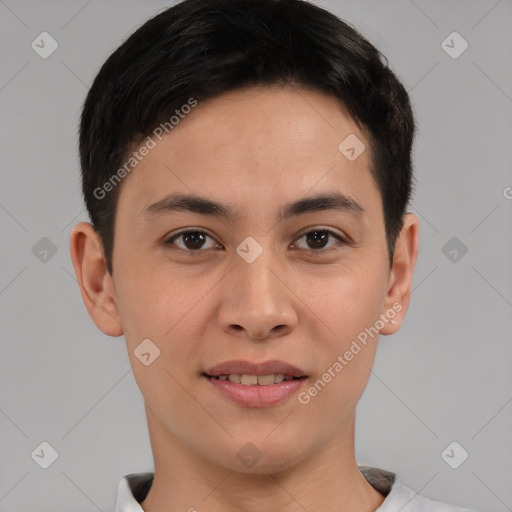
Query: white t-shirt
<point x="134" y="488"/>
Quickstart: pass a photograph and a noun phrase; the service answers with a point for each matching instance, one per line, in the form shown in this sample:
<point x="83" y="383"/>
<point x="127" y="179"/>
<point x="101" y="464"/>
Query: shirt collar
<point x="133" y="489"/>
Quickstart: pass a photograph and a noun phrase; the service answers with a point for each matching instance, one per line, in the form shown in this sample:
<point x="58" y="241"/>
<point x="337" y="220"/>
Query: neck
<point x="329" y="479"/>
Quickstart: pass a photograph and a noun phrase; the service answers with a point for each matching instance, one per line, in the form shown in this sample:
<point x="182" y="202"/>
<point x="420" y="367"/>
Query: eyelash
<point x="341" y="240"/>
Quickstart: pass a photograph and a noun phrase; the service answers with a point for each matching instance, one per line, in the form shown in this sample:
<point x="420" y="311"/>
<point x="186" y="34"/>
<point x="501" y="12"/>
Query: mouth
<point x="246" y="379"/>
<point x="256" y="385"/>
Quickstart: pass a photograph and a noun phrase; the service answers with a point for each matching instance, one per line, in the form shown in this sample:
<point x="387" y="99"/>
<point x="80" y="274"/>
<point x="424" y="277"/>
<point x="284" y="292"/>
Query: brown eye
<point x="194" y="241"/>
<point x="317" y="239"/>
<point x="191" y="240"/>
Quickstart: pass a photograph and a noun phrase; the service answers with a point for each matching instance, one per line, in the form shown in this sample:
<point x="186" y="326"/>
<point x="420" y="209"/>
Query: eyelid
<point x="168" y="240"/>
<point x="342" y="240"/>
<point x="341" y="236"/>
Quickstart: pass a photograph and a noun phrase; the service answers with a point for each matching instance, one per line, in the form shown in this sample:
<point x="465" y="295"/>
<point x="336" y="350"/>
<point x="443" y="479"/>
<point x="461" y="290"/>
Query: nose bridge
<point x="256" y="273"/>
<point x="257" y="299"/>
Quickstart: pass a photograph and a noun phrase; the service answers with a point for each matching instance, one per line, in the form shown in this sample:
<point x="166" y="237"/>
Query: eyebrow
<point x="205" y="206"/>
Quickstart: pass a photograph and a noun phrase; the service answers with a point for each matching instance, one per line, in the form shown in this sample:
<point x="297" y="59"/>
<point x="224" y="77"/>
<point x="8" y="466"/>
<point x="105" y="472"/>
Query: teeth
<point x="265" y="380"/>
<point x="249" y="380"/>
<point x="252" y="380"/>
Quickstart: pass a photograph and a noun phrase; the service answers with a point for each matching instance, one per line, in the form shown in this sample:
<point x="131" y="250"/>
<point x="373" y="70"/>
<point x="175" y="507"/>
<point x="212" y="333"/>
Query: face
<point x="269" y="281"/>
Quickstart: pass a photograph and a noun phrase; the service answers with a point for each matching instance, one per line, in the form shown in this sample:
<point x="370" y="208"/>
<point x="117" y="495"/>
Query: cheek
<point x="351" y="302"/>
<point x="157" y="300"/>
<point x="350" y="308"/>
<point x="345" y="360"/>
<point x="154" y="308"/>
<point x="155" y="305"/>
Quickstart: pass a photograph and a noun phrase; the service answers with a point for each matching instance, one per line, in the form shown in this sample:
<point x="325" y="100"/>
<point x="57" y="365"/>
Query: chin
<point x="259" y="456"/>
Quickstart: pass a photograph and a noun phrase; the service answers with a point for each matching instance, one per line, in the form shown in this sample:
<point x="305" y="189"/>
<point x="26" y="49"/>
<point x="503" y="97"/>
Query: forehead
<point x="276" y="142"/>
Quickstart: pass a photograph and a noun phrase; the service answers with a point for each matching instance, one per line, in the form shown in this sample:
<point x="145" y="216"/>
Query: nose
<point x="258" y="304"/>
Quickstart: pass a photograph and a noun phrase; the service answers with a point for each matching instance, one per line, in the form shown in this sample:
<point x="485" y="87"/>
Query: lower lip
<point x="256" y="395"/>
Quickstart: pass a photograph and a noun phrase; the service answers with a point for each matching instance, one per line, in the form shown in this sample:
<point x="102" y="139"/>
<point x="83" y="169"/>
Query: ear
<point x="96" y="285"/>
<point x="400" y="277"/>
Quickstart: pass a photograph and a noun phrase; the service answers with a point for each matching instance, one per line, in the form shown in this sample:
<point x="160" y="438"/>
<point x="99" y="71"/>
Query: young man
<point x="247" y="170"/>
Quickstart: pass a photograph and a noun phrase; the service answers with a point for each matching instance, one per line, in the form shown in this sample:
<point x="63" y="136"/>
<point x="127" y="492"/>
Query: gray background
<point x="446" y="376"/>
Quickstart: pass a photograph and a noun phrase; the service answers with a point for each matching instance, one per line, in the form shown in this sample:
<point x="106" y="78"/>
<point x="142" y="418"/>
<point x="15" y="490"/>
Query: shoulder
<point x="410" y="501"/>
<point x="399" y="497"/>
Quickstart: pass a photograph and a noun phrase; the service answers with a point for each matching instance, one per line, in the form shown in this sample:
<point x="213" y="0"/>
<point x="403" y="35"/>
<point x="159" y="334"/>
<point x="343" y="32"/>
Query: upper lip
<point x="247" y="367"/>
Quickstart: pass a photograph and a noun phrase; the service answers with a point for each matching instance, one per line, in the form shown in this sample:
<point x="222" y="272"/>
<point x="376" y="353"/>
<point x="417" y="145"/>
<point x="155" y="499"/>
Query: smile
<point x="253" y="380"/>
<point x="252" y="384"/>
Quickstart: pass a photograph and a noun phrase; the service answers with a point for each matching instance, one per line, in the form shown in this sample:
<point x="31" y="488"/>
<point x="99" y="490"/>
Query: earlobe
<point x="400" y="282"/>
<point x="96" y="286"/>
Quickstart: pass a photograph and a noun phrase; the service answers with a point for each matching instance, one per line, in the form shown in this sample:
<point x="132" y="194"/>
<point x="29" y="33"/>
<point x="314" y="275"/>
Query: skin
<point x="255" y="150"/>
